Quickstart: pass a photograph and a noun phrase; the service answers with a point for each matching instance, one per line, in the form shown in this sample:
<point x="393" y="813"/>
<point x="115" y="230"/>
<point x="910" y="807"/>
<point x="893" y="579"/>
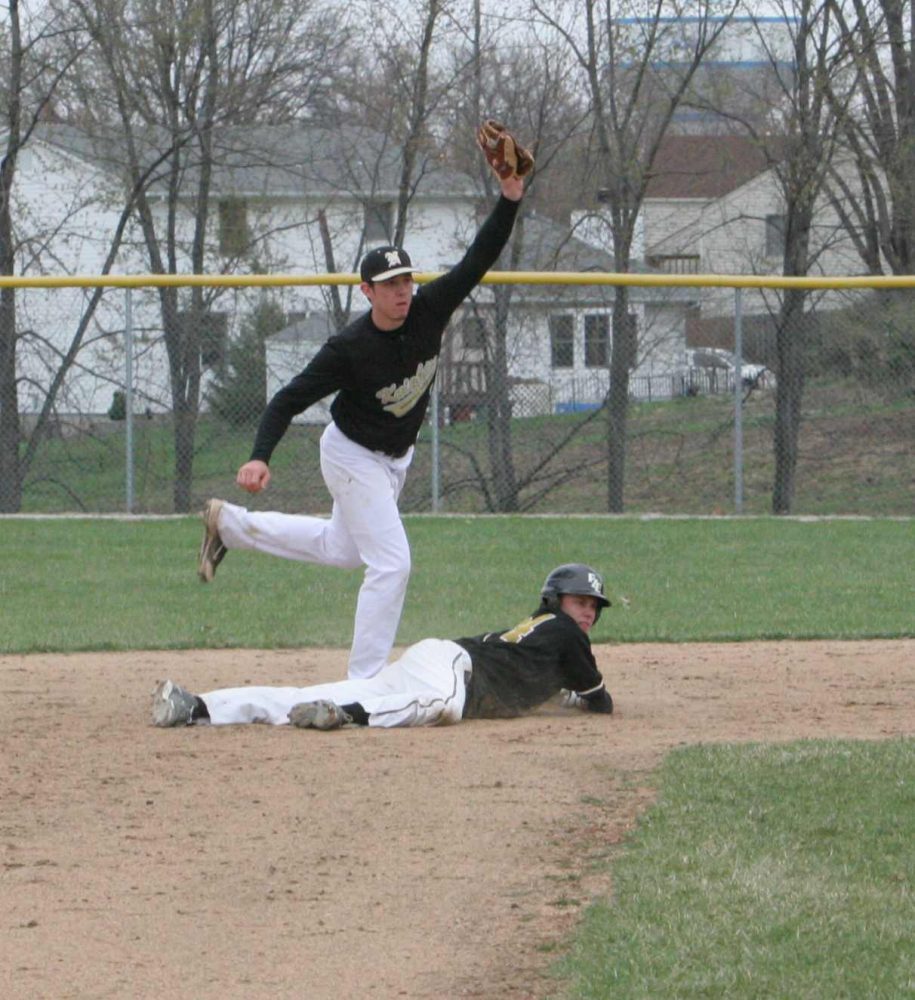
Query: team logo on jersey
<point x="524" y="629"/>
<point x="400" y="399"/>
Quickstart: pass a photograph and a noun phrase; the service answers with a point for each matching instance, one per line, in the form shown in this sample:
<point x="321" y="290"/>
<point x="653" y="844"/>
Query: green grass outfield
<point x="82" y="584"/>
<point x="760" y="872"/>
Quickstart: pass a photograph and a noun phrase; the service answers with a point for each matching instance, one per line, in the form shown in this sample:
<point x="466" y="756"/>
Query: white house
<point x="557" y="339"/>
<point x="715" y="206"/>
<point x="296" y="201"/>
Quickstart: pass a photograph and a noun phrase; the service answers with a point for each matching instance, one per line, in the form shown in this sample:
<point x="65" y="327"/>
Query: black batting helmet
<point x="573" y="578"/>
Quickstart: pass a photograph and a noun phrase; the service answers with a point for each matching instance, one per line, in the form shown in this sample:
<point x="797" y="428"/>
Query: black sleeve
<point x="325" y="373"/>
<point x="446" y="293"/>
<point x="579" y="668"/>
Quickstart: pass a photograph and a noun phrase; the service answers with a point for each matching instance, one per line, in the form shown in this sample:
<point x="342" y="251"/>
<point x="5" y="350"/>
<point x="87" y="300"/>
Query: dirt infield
<point x="268" y="862"/>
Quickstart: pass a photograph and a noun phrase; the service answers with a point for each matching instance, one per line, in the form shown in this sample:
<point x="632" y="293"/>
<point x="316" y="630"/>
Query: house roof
<point x="315" y="328"/>
<point x="706" y="166"/>
<point x="301" y="160"/>
<point x="548" y="246"/>
<point x="277" y="161"/>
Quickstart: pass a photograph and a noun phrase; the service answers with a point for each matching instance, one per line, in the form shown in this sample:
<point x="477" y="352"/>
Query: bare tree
<point x="637" y="69"/>
<point x="10" y="481"/>
<point x="400" y="86"/>
<point x="878" y="127"/>
<point x="36" y="62"/>
<point x="506" y="71"/>
<point x="807" y="137"/>
<point x="791" y="112"/>
<point x="417" y="115"/>
<point x="177" y="74"/>
<point x="798" y="137"/>
<point x="421" y="85"/>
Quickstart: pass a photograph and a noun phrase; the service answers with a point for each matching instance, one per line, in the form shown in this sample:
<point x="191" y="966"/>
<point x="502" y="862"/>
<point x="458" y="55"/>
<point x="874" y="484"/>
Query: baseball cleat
<point x="318" y="715"/>
<point x="212" y="551"/>
<point x="172" y="705"/>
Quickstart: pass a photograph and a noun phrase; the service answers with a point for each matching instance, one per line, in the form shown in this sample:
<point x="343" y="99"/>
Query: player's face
<point x="390" y="300"/>
<point x="581" y="608"/>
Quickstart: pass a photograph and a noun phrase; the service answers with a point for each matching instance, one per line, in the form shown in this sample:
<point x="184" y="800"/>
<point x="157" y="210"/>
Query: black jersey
<point x="516" y="670"/>
<point x="382" y="378"/>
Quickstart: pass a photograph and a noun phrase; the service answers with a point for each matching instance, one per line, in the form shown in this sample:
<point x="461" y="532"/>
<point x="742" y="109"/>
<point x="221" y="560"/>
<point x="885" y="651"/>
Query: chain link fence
<point x="748" y="400"/>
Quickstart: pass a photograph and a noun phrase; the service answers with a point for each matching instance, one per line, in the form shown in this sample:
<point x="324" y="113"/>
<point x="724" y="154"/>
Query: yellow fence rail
<point x="492" y="278"/>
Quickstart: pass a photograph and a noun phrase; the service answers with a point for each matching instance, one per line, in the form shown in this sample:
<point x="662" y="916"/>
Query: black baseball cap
<point x="385" y="262"/>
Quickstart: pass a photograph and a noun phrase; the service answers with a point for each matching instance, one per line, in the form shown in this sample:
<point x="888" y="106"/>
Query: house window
<point x="775" y="235"/>
<point x="670" y="263"/>
<point x="377" y="221"/>
<point x="233" y="227"/>
<point x="212" y="332"/>
<point x="473" y="333"/>
<point x="597" y="340"/>
<point x="292" y="318"/>
<point x="562" y="343"/>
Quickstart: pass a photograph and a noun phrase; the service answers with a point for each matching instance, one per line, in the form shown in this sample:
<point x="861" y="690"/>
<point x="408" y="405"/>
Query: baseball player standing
<point x="436" y="682"/>
<point x="381" y="368"/>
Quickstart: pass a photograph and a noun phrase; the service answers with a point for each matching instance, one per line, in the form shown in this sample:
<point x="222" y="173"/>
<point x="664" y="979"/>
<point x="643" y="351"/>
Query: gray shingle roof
<point x="278" y="161"/>
<point x="315" y="328"/>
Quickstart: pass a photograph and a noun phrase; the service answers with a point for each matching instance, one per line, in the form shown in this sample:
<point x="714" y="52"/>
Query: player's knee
<point x="395" y="573"/>
<point x="400" y="571"/>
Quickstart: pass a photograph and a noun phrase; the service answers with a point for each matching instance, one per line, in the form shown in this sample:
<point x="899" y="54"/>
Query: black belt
<point x="390" y="454"/>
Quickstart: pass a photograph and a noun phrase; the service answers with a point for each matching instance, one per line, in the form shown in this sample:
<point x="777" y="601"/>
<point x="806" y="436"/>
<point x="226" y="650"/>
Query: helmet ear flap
<point x="549" y="601"/>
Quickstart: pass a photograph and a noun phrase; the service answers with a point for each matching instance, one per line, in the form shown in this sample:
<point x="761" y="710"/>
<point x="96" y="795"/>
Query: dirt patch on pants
<point x="254" y="861"/>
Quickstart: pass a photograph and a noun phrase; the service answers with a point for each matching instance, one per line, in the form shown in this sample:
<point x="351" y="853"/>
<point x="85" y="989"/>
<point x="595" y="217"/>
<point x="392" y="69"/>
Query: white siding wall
<point x="63" y="203"/>
<point x="65" y="219"/>
<point x="670" y="224"/>
<point x="729" y="234"/>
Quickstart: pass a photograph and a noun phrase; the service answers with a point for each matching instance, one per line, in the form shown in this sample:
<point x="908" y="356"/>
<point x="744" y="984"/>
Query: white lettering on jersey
<point x="400" y="399"/>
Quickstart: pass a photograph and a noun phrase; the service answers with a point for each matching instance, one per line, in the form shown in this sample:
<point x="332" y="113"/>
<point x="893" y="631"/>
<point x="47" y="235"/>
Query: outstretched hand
<point x="512" y="187"/>
<point x="253" y="476"/>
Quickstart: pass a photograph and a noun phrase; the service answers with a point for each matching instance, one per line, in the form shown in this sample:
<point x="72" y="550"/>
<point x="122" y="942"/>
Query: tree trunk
<point x="185" y="417"/>
<point x="186" y="402"/>
<point x="789" y="395"/>
<point x="418" y="114"/>
<point x="499" y="410"/>
<point x="618" y="400"/>
<point x="333" y="292"/>
<point x="10" y="469"/>
<point x="10" y="431"/>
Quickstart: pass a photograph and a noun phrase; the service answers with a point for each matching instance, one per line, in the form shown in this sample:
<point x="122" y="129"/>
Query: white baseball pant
<point x="364" y="529"/>
<point x="424" y="687"/>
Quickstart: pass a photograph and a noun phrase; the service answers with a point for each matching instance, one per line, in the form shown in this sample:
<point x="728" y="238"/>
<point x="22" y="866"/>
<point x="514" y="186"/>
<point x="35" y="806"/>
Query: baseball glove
<point x="502" y="150"/>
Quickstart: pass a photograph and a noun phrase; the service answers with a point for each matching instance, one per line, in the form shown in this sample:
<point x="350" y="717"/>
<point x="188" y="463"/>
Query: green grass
<point x="854" y="458"/>
<point x="83" y="584"/>
<point x="762" y="872"/>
